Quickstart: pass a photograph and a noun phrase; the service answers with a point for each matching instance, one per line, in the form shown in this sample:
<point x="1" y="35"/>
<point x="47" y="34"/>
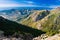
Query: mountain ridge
<point x="49" y="23"/>
<point x="10" y="27"/>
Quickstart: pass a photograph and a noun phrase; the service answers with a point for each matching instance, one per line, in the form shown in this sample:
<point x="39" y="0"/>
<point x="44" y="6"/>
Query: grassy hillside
<point x="52" y="24"/>
<point x="45" y="20"/>
<point x="34" y="18"/>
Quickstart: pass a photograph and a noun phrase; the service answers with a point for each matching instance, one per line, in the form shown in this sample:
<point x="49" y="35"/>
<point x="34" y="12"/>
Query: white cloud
<point x="54" y="6"/>
<point x="17" y="5"/>
<point x="11" y="3"/>
<point x="30" y="2"/>
<point x="8" y="5"/>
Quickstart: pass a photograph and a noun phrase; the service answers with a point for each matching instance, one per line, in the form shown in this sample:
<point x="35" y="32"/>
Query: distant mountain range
<point x="14" y="14"/>
<point x="45" y="20"/>
<point x="19" y="13"/>
<point x="29" y="8"/>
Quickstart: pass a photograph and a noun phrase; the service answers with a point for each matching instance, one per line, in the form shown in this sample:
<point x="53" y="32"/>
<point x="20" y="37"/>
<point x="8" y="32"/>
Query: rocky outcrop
<point x="21" y="37"/>
<point x="38" y="15"/>
<point x="55" y="37"/>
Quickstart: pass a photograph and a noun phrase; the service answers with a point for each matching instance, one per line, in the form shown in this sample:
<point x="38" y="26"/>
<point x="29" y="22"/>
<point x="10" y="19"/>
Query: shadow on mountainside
<point x="10" y="27"/>
<point x="42" y="15"/>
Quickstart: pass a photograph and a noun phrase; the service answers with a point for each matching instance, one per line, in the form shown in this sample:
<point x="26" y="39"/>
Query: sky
<point x="30" y="3"/>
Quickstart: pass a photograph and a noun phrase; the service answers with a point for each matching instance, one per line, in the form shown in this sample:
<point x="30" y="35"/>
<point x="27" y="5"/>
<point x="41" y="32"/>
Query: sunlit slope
<point x="48" y="21"/>
<point x="35" y="17"/>
<point x="52" y="24"/>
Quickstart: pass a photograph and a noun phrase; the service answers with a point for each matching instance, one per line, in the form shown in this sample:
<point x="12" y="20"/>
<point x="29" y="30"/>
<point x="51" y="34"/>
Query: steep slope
<point x="52" y="24"/>
<point x="47" y="21"/>
<point x="35" y="17"/>
<point x="10" y="27"/>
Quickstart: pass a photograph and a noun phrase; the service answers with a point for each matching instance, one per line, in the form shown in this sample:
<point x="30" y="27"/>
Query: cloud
<point x="10" y="3"/>
<point x="16" y="5"/>
<point x="54" y="6"/>
<point x="30" y="2"/>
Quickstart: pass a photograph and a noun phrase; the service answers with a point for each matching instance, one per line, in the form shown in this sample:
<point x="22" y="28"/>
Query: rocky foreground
<point x="55" y="37"/>
<point x="14" y="38"/>
<point x="30" y="37"/>
<point x="4" y="38"/>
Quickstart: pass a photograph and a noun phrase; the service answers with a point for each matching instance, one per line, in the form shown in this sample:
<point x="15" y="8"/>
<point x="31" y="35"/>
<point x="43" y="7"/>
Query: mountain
<point x="45" y="20"/>
<point x="15" y="14"/>
<point x="35" y="23"/>
<point x="29" y="8"/>
<point x="36" y="16"/>
<point x="19" y="13"/>
<point x="10" y="27"/>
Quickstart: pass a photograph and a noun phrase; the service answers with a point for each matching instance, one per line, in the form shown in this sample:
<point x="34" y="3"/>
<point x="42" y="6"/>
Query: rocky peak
<point x="39" y="15"/>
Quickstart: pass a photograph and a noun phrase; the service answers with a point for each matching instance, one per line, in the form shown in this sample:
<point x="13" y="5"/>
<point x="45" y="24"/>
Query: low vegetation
<point x="48" y="20"/>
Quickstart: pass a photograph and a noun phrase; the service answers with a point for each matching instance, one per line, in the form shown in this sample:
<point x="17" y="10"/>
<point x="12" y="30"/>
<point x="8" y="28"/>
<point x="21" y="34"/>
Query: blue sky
<point x="30" y="3"/>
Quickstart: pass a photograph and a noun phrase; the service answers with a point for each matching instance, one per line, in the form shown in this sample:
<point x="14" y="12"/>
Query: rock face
<point x="38" y="15"/>
<point x="42" y="37"/>
<point x="55" y="37"/>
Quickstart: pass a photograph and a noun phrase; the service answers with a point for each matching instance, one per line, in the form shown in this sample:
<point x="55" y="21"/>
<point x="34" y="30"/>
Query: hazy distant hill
<point x="19" y="13"/>
<point x="15" y="14"/>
